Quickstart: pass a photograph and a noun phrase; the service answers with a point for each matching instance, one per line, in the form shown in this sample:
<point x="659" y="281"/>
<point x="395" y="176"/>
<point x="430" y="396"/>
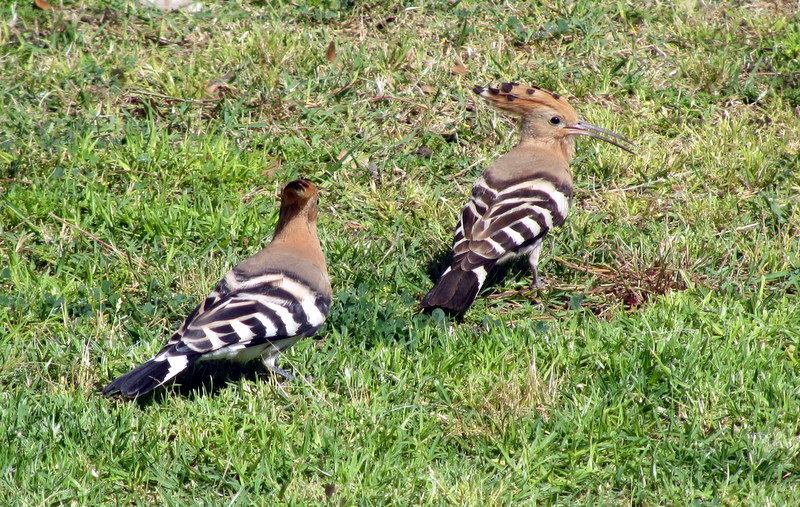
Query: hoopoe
<point x="519" y="197"/>
<point x="260" y="308"/>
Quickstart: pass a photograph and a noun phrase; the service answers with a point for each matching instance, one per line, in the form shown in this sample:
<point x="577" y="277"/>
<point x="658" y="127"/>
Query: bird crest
<point x="519" y="99"/>
<point x="298" y="191"/>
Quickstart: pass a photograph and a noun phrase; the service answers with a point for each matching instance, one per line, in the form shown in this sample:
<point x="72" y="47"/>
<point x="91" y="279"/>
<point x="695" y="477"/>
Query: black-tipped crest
<point x="298" y="191"/>
<point x="299" y="186"/>
<point x="522" y="99"/>
<point x="298" y="197"/>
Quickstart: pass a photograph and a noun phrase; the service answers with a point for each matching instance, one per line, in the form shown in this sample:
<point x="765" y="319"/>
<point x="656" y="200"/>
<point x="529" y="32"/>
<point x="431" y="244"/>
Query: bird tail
<point x="152" y="373"/>
<point x="455" y="290"/>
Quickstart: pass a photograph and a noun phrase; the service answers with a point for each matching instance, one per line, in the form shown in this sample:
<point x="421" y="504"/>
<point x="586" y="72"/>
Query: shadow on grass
<point x="205" y="379"/>
<point x="440" y="261"/>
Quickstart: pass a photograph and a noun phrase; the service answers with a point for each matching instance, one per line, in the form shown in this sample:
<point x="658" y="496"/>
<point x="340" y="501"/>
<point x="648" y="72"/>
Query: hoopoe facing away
<point x="519" y="197"/>
<point x="260" y="308"/>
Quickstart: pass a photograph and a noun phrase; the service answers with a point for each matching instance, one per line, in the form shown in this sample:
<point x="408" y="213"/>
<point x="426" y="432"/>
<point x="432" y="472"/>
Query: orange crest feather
<point x="520" y="99"/>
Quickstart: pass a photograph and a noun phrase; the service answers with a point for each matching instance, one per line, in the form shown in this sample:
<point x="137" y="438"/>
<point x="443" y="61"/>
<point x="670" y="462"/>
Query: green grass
<point x="658" y="366"/>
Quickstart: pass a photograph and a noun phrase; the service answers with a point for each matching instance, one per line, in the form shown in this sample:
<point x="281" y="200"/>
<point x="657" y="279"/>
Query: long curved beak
<point x="587" y="129"/>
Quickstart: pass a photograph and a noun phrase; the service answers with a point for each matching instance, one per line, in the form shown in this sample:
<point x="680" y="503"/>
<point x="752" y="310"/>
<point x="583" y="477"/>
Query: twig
<point x="130" y="171"/>
<point x="161" y="41"/>
<point x="168" y="97"/>
<point x="777" y="73"/>
<point x="390" y="97"/>
<point x="648" y="183"/>
<point x="498" y="295"/>
<point x="391" y="247"/>
<point x="465" y="170"/>
<point x="15" y="180"/>
<point x="108" y="246"/>
<point x="585" y="269"/>
<point x="737" y="229"/>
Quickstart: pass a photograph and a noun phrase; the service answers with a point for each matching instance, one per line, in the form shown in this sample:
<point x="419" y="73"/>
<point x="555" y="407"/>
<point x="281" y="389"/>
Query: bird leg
<point x="269" y="362"/>
<point x="533" y="262"/>
<point x="282" y="373"/>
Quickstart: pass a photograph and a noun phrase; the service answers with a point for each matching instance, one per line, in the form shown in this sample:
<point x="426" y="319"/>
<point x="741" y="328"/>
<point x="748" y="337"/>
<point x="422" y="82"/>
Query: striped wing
<point x="496" y="225"/>
<point x="246" y="312"/>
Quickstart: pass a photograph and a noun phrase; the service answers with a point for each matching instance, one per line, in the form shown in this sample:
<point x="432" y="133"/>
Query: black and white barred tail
<point x="151" y="374"/>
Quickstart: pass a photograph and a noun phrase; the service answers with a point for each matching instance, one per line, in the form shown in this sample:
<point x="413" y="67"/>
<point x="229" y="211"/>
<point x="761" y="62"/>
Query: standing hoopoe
<point x="260" y="308"/>
<point x="519" y="197"/>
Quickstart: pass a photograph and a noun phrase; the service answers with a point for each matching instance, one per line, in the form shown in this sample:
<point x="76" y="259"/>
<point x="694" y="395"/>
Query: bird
<point x="519" y="197"/>
<point x="261" y="307"/>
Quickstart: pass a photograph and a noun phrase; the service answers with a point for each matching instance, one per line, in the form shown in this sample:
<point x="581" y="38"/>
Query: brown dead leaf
<point x="255" y="191"/>
<point x="352" y="160"/>
<point x="43" y="4"/>
<point x="330" y="53"/>
<point x="215" y="86"/>
<point x="423" y="151"/>
<point x="459" y="69"/>
<point x="273" y="166"/>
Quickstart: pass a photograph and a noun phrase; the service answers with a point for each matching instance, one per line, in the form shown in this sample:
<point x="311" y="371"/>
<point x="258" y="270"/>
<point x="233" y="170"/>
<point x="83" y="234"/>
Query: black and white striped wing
<point x="210" y="301"/>
<point x="253" y="312"/>
<point x="498" y="224"/>
<point x="241" y="318"/>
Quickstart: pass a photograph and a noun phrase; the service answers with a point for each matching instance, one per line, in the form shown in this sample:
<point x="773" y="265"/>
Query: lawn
<point x="141" y="155"/>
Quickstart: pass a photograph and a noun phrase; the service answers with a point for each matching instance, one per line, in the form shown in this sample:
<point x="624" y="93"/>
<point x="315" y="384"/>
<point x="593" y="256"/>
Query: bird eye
<point x="555" y="120"/>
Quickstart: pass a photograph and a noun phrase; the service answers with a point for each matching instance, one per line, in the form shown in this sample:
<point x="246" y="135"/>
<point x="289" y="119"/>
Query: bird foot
<point x="281" y="373"/>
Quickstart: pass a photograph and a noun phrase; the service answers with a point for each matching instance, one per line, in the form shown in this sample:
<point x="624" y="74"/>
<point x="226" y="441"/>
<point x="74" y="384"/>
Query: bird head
<point x="299" y="197"/>
<point x="299" y="192"/>
<point x="546" y="116"/>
